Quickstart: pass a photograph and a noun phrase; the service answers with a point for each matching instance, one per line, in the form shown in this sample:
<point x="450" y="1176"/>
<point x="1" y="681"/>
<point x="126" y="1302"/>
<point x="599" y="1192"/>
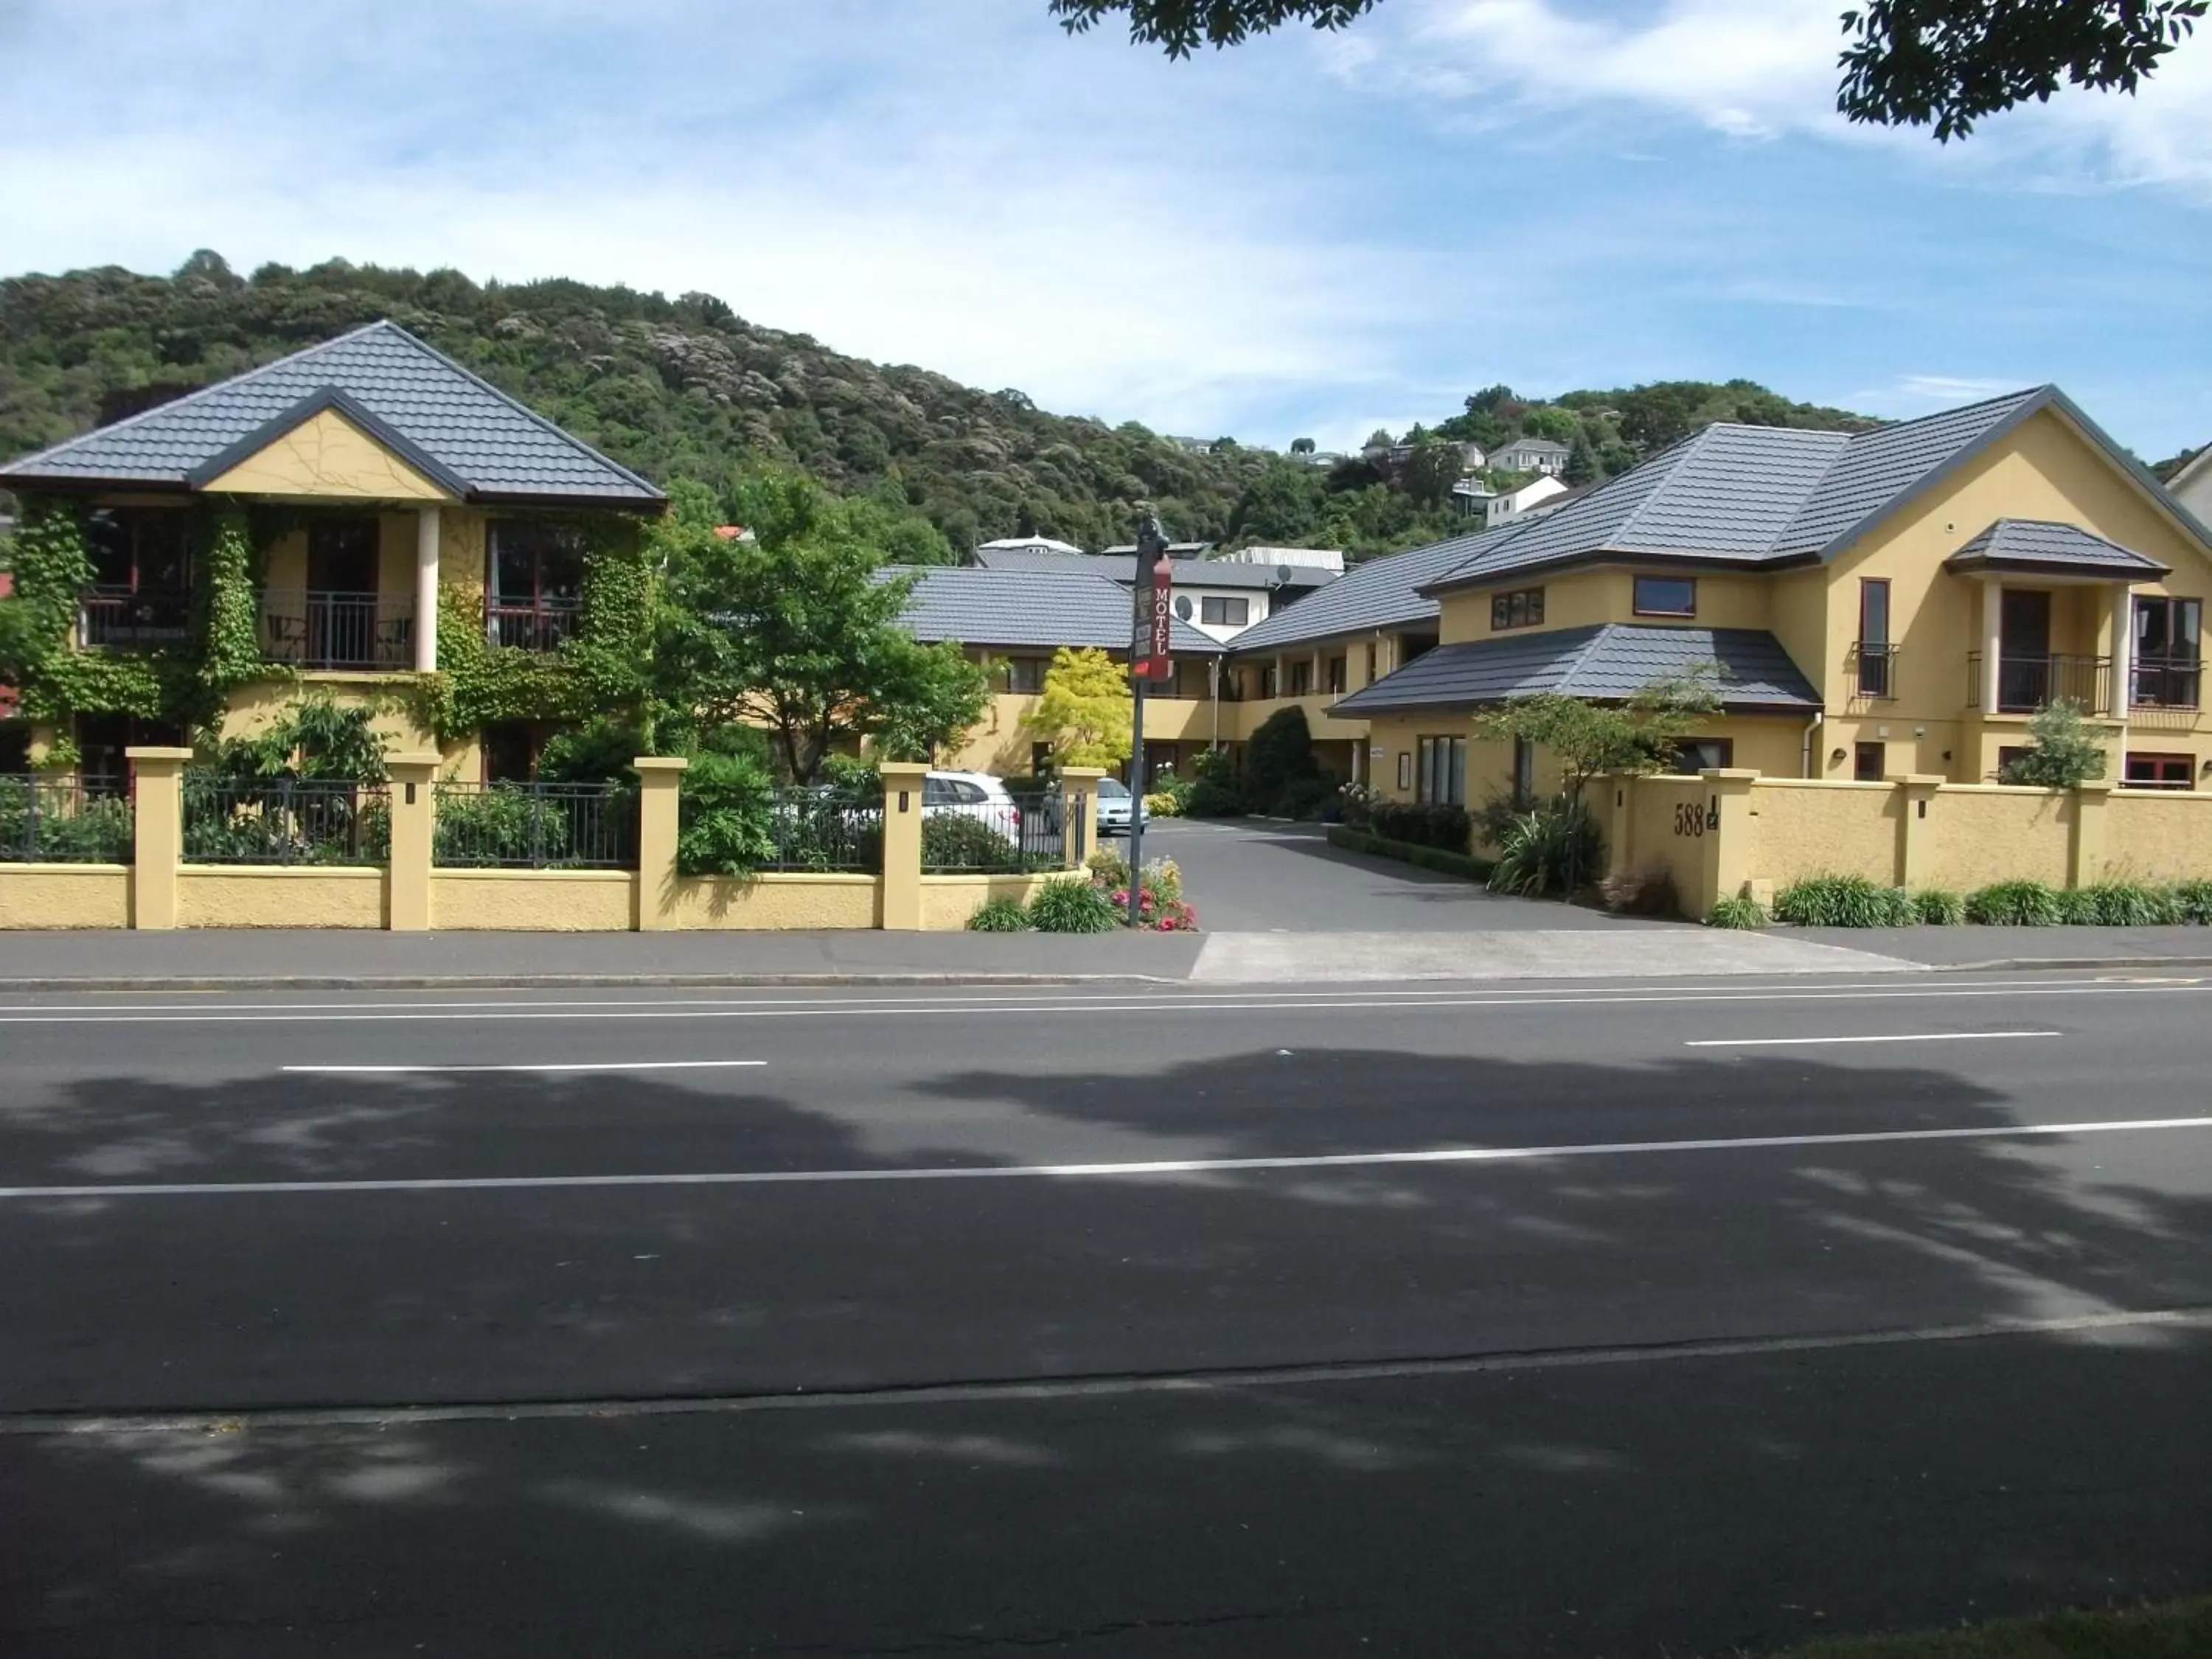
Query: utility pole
<point x="1150" y="659"/>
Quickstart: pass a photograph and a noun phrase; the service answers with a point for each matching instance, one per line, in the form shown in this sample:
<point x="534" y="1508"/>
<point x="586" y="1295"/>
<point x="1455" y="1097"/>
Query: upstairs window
<point x="1523" y="608"/>
<point x="1301" y="679"/>
<point x="1026" y="674"/>
<point x="1224" y="612"/>
<point x="534" y="585"/>
<point x="1666" y="596"/>
<point x="139" y="552"/>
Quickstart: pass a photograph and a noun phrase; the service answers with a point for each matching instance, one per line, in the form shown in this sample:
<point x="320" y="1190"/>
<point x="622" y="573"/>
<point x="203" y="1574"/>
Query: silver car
<point x="1115" y="805"/>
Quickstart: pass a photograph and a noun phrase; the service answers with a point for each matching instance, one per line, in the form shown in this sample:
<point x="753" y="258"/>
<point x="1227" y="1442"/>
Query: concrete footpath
<point x="307" y="959"/>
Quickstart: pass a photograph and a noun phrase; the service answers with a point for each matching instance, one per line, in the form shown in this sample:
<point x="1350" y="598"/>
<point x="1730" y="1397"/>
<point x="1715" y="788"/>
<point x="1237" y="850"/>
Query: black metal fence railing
<point x="538" y="627"/>
<point x="119" y="616"/>
<point x="1874" y="670"/>
<point x="229" y="820"/>
<point x="2165" y="681"/>
<point x="822" y="829"/>
<point x="56" y="819"/>
<point x="535" y="826"/>
<point x="2028" y="683"/>
<point x="312" y="628"/>
<point x="989" y="837"/>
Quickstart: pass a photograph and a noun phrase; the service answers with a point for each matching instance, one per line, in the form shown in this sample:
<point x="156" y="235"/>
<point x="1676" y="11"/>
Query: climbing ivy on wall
<point x="186" y="685"/>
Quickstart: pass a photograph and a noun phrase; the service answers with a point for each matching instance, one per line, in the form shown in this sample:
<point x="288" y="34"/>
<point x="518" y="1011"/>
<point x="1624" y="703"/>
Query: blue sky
<point x="1315" y="235"/>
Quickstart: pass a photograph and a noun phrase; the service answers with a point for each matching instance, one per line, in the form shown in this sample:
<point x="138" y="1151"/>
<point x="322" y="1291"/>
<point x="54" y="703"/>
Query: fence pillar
<point x="2085" y="845"/>
<point x="659" y="799"/>
<point x="1079" y="818"/>
<point x="1728" y="833"/>
<point x="414" y="832"/>
<point x="158" y="839"/>
<point x="1915" y="845"/>
<point x="902" y="911"/>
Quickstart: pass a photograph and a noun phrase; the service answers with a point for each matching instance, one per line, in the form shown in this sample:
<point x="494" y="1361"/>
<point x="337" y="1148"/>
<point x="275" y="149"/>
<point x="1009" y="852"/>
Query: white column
<point x="1992" y="641"/>
<point x="426" y="590"/>
<point x="2124" y="646"/>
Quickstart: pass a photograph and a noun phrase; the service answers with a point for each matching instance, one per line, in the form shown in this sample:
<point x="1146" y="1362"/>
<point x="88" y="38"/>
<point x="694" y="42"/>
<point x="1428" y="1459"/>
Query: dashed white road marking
<point x="1898" y="1036"/>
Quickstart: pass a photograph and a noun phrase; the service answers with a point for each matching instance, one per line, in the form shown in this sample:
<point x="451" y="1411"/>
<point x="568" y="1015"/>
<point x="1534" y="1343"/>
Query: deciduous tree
<point x="1085" y="711"/>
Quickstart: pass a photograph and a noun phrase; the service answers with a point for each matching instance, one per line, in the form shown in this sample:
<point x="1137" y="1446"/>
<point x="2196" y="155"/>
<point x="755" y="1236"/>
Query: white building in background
<point x="1508" y="505"/>
<point x="1298" y="558"/>
<point x="2192" y="485"/>
<point x="1027" y="544"/>
<point x="1542" y="455"/>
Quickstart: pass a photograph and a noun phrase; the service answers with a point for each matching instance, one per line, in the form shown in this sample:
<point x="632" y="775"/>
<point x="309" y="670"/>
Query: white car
<point x="971" y="795"/>
<point x="1115" y="805"/>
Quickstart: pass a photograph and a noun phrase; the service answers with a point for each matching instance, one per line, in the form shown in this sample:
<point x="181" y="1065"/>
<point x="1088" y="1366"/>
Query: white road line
<point x="592" y="1065"/>
<point x="1442" y="1155"/>
<point x="1645" y="997"/>
<point x="1900" y="1036"/>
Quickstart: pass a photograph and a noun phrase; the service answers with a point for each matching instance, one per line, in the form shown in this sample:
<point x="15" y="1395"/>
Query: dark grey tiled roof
<point x="1037" y="608"/>
<point x="2040" y="544"/>
<point x="1604" y="660"/>
<point x="1191" y="573"/>
<point x="437" y="412"/>
<point x="1880" y="467"/>
<point x="1383" y="593"/>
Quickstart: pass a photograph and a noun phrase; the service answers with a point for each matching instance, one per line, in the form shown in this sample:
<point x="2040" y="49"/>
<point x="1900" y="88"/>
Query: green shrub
<point x="999" y="916"/>
<point x="1108" y="868"/>
<point x="1278" y="755"/>
<point x="2061" y="752"/>
<point x="1422" y="824"/>
<point x="1073" y="905"/>
<point x="2014" y="904"/>
<point x="953" y="841"/>
<point x="1405" y="852"/>
<point x="50" y="825"/>
<point x="600" y="752"/>
<point x="1210" y="798"/>
<point x="1844" y="902"/>
<point x="2192" y="901"/>
<point x="1163" y="804"/>
<point x="1940" y="908"/>
<point x="1554" y="849"/>
<point x="1741" y="913"/>
<point x="1307" y="797"/>
<point x="726" y="817"/>
<point x="2119" y="905"/>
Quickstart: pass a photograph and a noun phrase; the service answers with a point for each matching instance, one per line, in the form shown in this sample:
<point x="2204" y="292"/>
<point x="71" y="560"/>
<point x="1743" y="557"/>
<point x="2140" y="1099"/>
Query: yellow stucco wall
<point x="2153" y="835"/>
<point x="327" y="456"/>
<point x="1660" y="809"/>
<point x="49" y="896"/>
<point x="534" y="901"/>
<point x="947" y="902"/>
<point x="233" y="895"/>
<point x="1579" y="598"/>
<point x="773" y="902"/>
<point x="1825" y="829"/>
<point x="1984" y="833"/>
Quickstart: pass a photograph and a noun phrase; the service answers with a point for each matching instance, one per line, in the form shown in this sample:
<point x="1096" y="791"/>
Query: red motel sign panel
<point x="1149" y="657"/>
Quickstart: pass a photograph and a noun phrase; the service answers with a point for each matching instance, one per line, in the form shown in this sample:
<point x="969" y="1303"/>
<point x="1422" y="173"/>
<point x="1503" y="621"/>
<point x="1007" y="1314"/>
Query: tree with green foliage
<point x="1430" y="472"/>
<point x="1085" y="711"/>
<point x="1939" y="64"/>
<point x="799" y="631"/>
<point x="1582" y="466"/>
<point x="2061" y="750"/>
<point x="1636" y="735"/>
<point x="1302" y="445"/>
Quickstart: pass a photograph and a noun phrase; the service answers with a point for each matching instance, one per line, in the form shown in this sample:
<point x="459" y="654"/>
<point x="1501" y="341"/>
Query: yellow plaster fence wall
<point x="52" y="895"/>
<point x="1662" y="824"/>
<point x="1983" y="833"/>
<point x="2153" y="835"/>
<point x="771" y="902"/>
<point x="534" y="901"/>
<point x="947" y="902"/>
<point x="1835" y="829"/>
<point x="251" y="895"/>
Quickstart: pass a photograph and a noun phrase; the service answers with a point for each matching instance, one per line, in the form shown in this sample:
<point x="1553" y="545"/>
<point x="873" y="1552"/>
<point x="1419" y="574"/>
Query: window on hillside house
<point x="1696" y="755"/>
<point x="1442" y="771"/>
<point x="1025" y="675"/>
<point x="1224" y="613"/>
<point x="1301" y="677"/>
<point x="534" y="583"/>
<point x="1523" y="608"/>
<point x="2160" y="772"/>
<point x="1666" y="596"/>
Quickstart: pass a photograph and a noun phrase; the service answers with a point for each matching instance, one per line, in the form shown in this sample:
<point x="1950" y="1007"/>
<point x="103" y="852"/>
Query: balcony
<point x="125" y="616"/>
<point x="538" y="626"/>
<point x="2028" y="683"/>
<point x="2165" y="683"/>
<point x="1873" y="671"/>
<point x="312" y="628"/>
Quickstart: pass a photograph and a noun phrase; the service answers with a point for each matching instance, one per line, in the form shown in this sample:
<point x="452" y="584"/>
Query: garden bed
<point x="1438" y="858"/>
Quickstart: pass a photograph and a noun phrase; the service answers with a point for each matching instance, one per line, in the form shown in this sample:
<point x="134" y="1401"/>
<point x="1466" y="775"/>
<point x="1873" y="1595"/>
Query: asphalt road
<point x="1625" y="1318"/>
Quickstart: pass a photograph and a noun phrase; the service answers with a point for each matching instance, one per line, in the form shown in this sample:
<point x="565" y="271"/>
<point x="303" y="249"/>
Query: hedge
<point x="1424" y="858"/>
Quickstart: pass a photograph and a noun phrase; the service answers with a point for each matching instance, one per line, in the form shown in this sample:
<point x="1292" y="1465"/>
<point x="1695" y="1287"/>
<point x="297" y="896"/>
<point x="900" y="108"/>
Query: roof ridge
<point x="195" y="395"/>
<point x="1688" y="446"/>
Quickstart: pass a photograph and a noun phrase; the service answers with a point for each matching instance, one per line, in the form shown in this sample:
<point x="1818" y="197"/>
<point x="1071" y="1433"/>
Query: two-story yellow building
<point x="1895" y="602"/>
<point x="384" y="484"/>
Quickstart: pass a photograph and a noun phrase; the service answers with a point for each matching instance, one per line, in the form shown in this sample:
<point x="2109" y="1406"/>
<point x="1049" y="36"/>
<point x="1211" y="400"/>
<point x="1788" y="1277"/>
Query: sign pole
<point x="1151" y="658"/>
<point x="1137" y="805"/>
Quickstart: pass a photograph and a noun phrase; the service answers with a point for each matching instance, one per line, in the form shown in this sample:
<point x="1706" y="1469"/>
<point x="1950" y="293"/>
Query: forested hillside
<point x="684" y="388"/>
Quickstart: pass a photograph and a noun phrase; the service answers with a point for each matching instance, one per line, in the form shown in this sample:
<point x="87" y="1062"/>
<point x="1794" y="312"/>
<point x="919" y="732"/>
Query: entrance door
<point x="341" y="558"/>
<point x="2024" y="669"/>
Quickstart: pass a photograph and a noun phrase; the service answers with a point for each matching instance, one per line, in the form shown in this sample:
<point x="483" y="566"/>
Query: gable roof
<point x="448" y="422"/>
<point x="2040" y="544"/>
<point x="1042" y="609"/>
<point x="1541" y="445"/>
<point x="1751" y="496"/>
<point x="1606" y="661"/>
<point x="1384" y="592"/>
<point x="1184" y="573"/>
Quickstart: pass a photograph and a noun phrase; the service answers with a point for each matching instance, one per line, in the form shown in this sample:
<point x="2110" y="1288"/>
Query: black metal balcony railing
<point x="319" y="629"/>
<point x="1874" y="670"/>
<point x="121" y="616"/>
<point x="540" y="626"/>
<point x="2165" y="683"/>
<point x="2028" y="683"/>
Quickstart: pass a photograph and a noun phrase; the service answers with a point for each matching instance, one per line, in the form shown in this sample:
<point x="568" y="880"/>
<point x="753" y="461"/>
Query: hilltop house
<point x="1543" y="455"/>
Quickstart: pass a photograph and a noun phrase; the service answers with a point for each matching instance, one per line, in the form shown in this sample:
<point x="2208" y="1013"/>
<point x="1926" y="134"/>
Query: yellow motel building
<point x="387" y="485"/>
<point x="1891" y="603"/>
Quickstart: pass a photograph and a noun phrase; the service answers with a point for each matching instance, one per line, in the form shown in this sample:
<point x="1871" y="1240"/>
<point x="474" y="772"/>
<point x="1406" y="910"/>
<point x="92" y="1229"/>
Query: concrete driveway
<point x="1254" y="876"/>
